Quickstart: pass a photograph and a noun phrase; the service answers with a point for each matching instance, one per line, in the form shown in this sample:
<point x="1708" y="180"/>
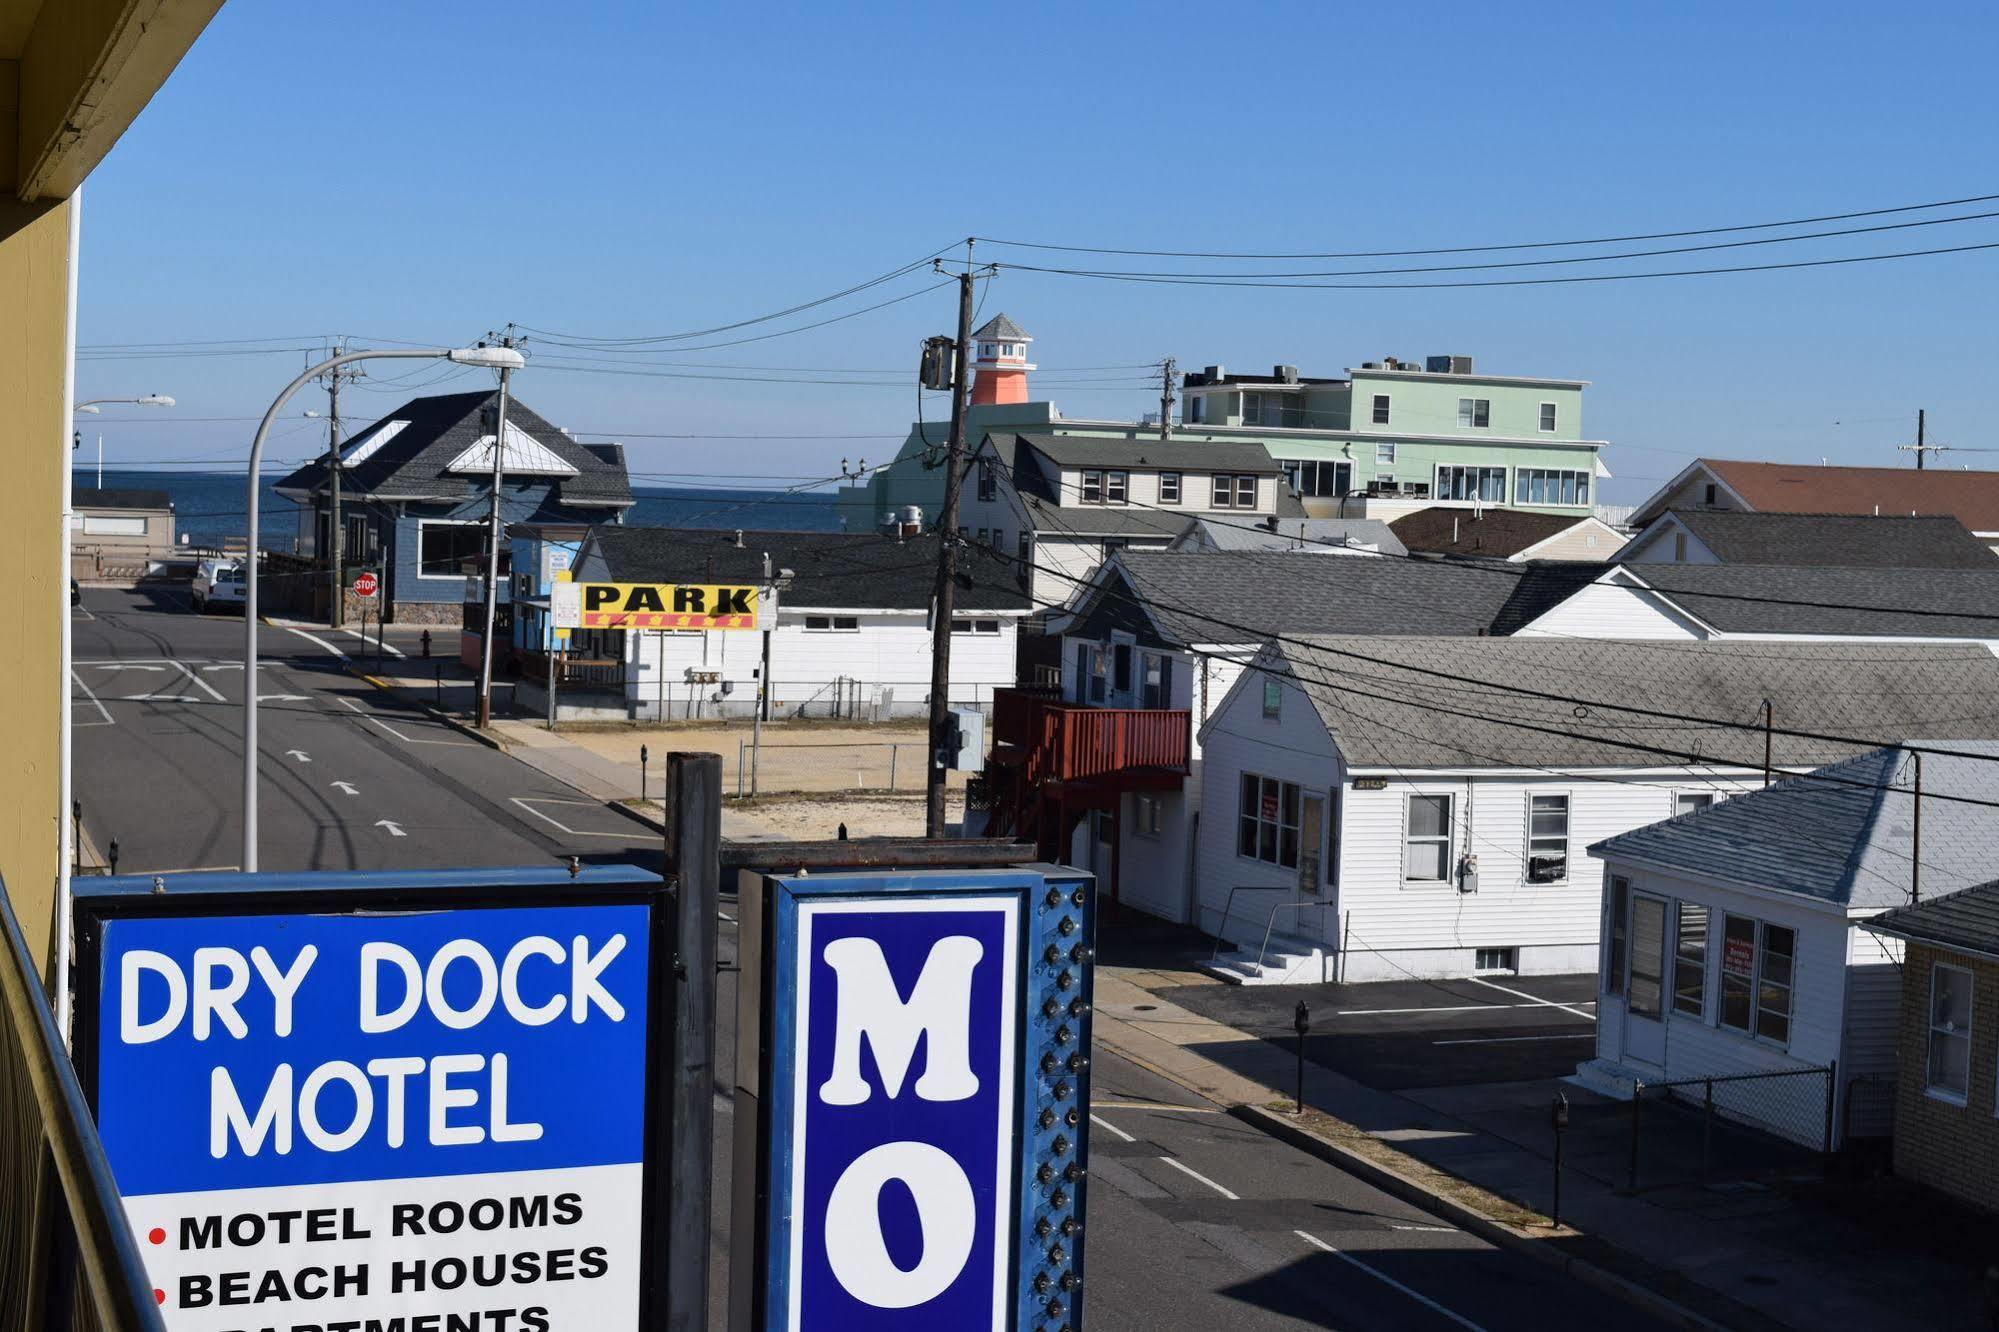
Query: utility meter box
<point x="971" y="755"/>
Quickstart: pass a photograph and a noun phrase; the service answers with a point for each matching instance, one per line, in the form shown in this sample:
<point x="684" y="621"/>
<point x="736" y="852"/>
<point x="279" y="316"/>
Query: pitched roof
<point x="831" y="569"/>
<point x="1495" y="532"/>
<point x="1245" y="597"/>
<point x="1296" y="534"/>
<point x="1474" y="715"/>
<point x="86" y="497"/>
<point x="1169" y="455"/>
<point x="1844" y="540"/>
<point x="1843" y="834"/>
<point x="1901" y="603"/>
<point x="424" y="450"/>
<point x="1970" y="497"/>
<point x="1966" y="920"/>
<point x="1099" y="520"/>
<point x="999" y="326"/>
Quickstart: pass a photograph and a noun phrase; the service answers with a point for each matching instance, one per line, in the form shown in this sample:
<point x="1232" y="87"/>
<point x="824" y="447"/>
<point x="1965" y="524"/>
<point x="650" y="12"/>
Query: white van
<point x="218" y="584"/>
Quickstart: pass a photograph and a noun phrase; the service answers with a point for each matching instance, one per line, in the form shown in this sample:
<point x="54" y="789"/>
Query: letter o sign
<point x="946" y="1214"/>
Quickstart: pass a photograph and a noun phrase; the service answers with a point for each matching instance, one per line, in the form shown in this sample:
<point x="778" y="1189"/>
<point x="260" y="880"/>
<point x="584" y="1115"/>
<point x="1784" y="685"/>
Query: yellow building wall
<point x="34" y="434"/>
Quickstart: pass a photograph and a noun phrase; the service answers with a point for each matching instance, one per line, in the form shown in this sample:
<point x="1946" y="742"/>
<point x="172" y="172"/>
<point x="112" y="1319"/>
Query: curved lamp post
<point x="495" y="358"/>
<point x="92" y="405"/>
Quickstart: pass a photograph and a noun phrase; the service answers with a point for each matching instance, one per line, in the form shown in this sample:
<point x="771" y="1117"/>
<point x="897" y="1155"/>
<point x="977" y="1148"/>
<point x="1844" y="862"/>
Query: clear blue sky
<point x="429" y="172"/>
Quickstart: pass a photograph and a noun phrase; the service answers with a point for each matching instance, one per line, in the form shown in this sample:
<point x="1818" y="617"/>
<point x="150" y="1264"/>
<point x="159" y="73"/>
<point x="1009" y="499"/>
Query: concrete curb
<point x="388" y="687"/>
<point x="1540" y="1247"/>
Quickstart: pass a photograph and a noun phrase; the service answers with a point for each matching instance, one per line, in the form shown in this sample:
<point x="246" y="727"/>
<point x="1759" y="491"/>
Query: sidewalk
<point x="1829" y="1255"/>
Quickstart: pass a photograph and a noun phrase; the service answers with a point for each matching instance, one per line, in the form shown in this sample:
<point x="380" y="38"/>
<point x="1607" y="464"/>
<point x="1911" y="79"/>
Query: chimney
<point x="1271" y="522"/>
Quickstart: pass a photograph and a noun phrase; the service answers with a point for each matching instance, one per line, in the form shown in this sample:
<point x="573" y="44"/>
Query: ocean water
<point x="212" y="507"/>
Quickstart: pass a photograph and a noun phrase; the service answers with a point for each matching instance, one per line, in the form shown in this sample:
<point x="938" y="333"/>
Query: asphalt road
<point x="353" y="776"/>
<point x="1196" y="1220"/>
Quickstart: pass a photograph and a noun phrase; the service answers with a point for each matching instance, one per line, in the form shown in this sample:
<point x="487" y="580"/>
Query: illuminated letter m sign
<point x="939" y="1007"/>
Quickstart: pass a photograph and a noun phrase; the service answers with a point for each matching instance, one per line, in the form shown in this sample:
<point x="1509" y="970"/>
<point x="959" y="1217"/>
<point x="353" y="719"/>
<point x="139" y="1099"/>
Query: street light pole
<point x="94" y="406"/>
<point x="496" y="358"/>
<point x="485" y="717"/>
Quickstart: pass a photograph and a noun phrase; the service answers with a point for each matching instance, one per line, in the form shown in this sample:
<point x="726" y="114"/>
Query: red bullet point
<point x="159" y="1296"/>
<point x="156" y="1235"/>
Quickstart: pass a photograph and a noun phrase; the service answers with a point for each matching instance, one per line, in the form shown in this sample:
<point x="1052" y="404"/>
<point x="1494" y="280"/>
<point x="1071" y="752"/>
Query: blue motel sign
<point x="913" y="1090"/>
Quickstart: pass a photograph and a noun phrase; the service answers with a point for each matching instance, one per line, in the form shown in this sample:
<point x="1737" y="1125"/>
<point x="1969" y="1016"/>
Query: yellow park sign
<point x="667" y="605"/>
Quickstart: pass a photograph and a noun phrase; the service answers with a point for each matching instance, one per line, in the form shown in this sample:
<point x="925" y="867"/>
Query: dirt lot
<point x="820" y="816"/>
<point x="795" y="757"/>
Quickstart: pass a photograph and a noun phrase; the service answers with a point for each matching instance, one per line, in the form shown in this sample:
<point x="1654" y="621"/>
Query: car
<point x="218" y="585"/>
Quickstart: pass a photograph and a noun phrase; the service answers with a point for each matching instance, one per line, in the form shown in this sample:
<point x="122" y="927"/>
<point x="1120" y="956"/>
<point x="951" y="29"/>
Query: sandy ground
<point x="796" y="757"/>
<point x="806" y="818"/>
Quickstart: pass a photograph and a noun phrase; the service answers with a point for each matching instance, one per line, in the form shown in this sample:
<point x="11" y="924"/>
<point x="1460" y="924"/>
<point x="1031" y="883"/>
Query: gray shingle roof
<point x="88" y="497"/>
<point x="830" y="569"/>
<point x="1172" y="455"/>
<point x="1474" y="716"/>
<point x="999" y="326"/>
<point x="1967" y="920"/>
<point x="1843" y="834"/>
<point x="1295" y="534"/>
<point x="1841" y="540"/>
<point x="411" y="465"/>
<point x="1760" y="598"/>
<point x="1099" y="520"/>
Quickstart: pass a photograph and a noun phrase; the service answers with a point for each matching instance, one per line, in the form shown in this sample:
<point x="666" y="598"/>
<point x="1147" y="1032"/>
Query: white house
<point x="850" y="636"/>
<point x="1972" y="498"/>
<point x="1406" y="807"/>
<point x="1729" y="944"/>
<point x="1708" y="602"/>
<point x="1850" y="541"/>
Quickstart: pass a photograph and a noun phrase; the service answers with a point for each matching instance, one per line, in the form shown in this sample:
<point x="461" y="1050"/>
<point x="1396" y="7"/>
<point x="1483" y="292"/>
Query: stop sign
<point x="365" y="585"/>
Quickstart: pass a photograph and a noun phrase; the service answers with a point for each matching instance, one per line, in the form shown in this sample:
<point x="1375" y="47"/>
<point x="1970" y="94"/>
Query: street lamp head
<point x="92" y="408"/>
<point x="155" y="400"/>
<point x="493" y="358"/>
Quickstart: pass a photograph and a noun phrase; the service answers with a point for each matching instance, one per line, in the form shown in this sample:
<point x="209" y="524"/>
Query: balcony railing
<point x="602" y="674"/>
<point x="1060" y="742"/>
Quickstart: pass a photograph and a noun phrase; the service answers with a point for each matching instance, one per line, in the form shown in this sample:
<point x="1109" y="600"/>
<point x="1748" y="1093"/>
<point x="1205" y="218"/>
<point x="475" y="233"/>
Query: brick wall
<point x="1953" y="1148"/>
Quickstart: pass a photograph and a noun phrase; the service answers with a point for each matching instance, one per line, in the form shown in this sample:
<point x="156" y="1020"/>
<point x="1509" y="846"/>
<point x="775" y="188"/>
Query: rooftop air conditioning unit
<point x="1215" y="373"/>
<point x="1286" y="374"/>
<point x="1448" y="365"/>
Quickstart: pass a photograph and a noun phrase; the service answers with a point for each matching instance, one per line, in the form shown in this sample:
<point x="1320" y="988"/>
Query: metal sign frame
<point x="101" y="901"/>
<point x="1037" y="1225"/>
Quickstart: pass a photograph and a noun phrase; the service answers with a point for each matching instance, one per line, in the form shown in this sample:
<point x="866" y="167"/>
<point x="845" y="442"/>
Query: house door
<point x="1645" y="992"/>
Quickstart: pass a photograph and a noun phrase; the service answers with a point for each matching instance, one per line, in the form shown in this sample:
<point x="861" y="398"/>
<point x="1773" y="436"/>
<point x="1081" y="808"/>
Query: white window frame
<point x="1169" y="487"/>
<point x="1384" y="452"/>
<point x="1252" y="408"/>
<point x="1117" y="487"/>
<point x="1145" y="819"/>
<point x="1471" y="409"/>
<point x="1664" y="980"/>
<point x="1480" y="474"/>
<point x="1550" y="415"/>
<point x="966" y="624"/>
<point x="1681" y="958"/>
<point x="1448" y="838"/>
<point x="1616" y="935"/>
<point x="421" y="524"/>
<point x="113" y="524"/>
<point x="1380" y="408"/>
<point x="1522" y="476"/>
<point x="1681" y="806"/>
<point x="1089" y="478"/>
<point x="1568" y="819"/>
<point x="1790" y="987"/>
<point x="1509" y="967"/>
<point x="1930" y="1087"/>
<point x="1265" y="786"/>
<point x="833" y="624"/>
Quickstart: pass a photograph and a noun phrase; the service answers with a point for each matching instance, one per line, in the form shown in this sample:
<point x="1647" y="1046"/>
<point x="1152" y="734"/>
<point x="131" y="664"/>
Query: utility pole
<point x="944" y="598"/>
<point x="1922" y="444"/>
<point x="336" y="529"/>
<point x="485" y="717"/>
<point x="1166" y="370"/>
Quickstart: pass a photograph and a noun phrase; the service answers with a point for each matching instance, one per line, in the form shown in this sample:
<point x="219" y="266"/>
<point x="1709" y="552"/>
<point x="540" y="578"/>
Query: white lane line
<point x="726" y="916"/>
<point x="1386" y="1279"/>
<point x="193" y="675"/>
<point x="1103" y="1123"/>
<point x="1511" y="1040"/>
<point x="1427" y="1230"/>
<point x="121" y="665"/>
<point x="352" y="706"/>
<point x="315" y="639"/>
<point x="1535" y="998"/>
<point x="386" y="646"/>
<point x="161" y="698"/>
<point x="1149" y="1105"/>
<point x="102" y="711"/>
<point x="528" y="803"/>
<point x="1449" y="1008"/>
<point x="1192" y="1173"/>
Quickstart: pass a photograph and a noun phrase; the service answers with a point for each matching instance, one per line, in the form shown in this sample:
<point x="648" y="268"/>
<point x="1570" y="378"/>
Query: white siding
<point x="1660" y="548"/>
<point x="1152" y="871"/>
<point x="1291" y="747"/>
<point x="887" y="658"/>
<point x="1873" y="1013"/>
<point x="1699" y="1048"/>
<point x="1606" y="610"/>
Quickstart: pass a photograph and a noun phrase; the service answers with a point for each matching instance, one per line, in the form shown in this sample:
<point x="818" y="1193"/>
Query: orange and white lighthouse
<point x="999" y="362"/>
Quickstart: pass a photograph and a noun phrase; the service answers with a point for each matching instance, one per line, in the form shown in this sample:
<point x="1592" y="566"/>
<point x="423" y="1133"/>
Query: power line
<point x="1476" y="249"/>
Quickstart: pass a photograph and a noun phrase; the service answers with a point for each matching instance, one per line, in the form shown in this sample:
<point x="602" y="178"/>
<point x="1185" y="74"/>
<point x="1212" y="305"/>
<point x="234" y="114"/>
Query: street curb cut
<point x="470" y="732"/>
<point x="1465" y="1217"/>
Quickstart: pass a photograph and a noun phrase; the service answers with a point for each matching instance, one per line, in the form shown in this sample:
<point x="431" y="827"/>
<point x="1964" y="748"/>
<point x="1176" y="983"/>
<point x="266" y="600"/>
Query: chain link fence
<point x="886" y="766"/>
<point x="1737" y="1127"/>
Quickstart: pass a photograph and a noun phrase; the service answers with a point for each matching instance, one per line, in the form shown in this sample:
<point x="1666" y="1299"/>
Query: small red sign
<point x="365" y="585"/>
<point x="1738" y="958"/>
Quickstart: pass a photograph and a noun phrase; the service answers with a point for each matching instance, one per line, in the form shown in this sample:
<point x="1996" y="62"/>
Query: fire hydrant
<point x="426" y="642"/>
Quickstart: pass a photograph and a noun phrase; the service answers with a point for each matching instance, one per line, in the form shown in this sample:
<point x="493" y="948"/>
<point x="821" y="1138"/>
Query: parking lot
<point x="1400" y="1035"/>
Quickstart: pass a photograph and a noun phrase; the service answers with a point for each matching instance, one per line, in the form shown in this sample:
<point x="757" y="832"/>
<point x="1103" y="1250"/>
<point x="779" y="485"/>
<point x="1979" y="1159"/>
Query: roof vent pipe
<point x="739" y="538"/>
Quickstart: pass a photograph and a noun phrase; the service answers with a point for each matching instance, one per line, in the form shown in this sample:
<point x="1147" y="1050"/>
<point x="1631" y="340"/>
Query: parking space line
<point x="195" y="676"/>
<point x="1386" y="1279"/>
<point x="1192" y="1173"/>
<point x="1446" y="1008"/>
<point x="406" y="739"/>
<point x="1103" y="1123"/>
<point x="315" y="639"/>
<point x="102" y="711"/>
<point x="1509" y="1040"/>
<point x="1522" y="994"/>
<point x="1149" y="1105"/>
<point x="528" y="803"/>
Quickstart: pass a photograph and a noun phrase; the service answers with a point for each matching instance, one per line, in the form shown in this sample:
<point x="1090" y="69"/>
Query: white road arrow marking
<point x="298" y="754"/>
<point x="281" y="698"/>
<point x="348" y="787"/>
<point x="395" y="830"/>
